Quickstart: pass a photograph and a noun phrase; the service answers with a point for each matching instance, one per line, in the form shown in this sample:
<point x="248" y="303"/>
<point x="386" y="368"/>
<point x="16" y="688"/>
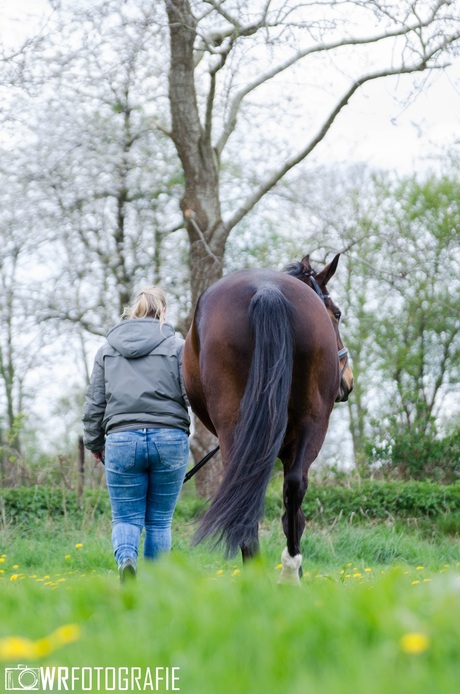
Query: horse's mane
<point x="296" y="269"/>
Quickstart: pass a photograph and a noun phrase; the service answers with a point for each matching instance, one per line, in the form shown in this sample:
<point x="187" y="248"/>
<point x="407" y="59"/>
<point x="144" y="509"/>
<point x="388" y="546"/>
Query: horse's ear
<point x="325" y="275"/>
<point x="306" y="267"/>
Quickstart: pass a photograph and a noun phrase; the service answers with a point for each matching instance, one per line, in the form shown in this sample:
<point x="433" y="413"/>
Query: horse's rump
<point x="249" y="332"/>
<point x="263" y="365"/>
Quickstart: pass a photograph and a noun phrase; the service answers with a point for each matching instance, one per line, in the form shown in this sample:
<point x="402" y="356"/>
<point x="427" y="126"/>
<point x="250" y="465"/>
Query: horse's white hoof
<point x="291" y="567"/>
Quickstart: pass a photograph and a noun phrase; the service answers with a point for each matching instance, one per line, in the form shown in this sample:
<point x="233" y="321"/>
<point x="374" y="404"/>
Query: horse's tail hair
<point x="237" y="507"/>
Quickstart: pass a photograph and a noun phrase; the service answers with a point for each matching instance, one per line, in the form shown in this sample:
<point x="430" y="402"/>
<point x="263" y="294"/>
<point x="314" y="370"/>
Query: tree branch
<point x="321" y="48"/>
<point x="277" y="175"/>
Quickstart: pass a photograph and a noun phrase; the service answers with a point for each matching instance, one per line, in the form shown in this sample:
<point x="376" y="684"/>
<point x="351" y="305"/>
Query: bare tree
<point x="20" y="339"/>
<point x="102" y="173"/>
<point x="225" y="56"/>
<point x="209" y="42"/>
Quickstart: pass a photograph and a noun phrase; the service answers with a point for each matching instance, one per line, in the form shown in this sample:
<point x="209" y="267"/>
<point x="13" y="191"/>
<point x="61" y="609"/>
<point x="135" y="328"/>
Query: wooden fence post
<point x="81" y="469"/>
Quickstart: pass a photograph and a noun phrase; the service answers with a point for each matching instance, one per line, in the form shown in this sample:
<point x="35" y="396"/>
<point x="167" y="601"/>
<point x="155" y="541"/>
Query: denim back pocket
<point x="172" y="446"/>
<point x="120" y="451"/>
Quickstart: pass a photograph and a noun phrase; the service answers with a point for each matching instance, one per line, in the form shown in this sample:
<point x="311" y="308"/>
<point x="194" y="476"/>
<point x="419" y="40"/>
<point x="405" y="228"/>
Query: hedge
<point x="371" y="500"/>
<point x="374" y="500"/>
<point x="30" y="504"/>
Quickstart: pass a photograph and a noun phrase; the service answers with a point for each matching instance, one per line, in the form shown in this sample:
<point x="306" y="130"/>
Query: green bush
<point x="31" y="504"/>
<point x="417" y="453"/>
<point x="372" y="500"/>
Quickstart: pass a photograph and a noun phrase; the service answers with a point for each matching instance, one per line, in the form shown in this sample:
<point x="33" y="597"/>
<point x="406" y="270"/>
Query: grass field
<point x="378" y="611"/>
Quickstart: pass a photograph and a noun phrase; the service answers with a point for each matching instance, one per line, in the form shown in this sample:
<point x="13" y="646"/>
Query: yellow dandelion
<point x="14" y="577"/>
<point x="279" y="566"/>
<point x="427" y="580"/>
<point x="414" y="643"/>
<point x="15" y="566"/>
<point x="220" y="572"/>
<point x="43" y="647"/>
<point x="368" y="570"/>
<point x="419" y="568"/>
<point x="415" y="583"/>
<point x="79" y="545"/>
<point x="2" y="571"/>
<point x="15" y="647"/>
<point x="67" y="556"/>
<point x="357" y="575"/>
<point x="65" y="634"/>
<point x="236" y="572"/>
<point x="2" y="559"/>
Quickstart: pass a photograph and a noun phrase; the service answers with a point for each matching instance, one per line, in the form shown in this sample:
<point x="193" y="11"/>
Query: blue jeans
<point x="145" y="470"/>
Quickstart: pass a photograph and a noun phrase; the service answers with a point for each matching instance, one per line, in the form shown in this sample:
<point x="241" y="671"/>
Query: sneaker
<point x="127" y="571"/>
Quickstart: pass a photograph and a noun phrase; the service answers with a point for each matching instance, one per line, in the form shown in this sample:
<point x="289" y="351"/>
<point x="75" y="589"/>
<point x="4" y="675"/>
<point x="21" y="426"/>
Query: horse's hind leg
<point x="295" y="486"/>
<point x="293" y="524"/>
<point x="251" y="548"/>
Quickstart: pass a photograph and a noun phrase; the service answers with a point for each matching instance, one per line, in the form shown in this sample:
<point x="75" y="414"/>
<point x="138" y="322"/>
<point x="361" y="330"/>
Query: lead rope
<point x="199" y="465"/>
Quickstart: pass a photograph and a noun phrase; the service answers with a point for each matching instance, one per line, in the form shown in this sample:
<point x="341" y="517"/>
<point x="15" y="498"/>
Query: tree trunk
<point x="208" y="478"/>
<point x="200" y="203"/>
<point x="357" y="417"/>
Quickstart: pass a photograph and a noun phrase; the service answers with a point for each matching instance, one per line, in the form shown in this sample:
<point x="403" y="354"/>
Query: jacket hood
<point x="137" y="337"/>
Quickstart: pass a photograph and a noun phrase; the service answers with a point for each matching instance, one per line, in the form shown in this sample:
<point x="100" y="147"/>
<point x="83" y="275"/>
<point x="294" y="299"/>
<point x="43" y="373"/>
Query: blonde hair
<point x="149" y="303"/>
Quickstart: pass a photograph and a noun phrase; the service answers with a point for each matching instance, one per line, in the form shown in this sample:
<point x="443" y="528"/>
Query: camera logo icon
<point x="22" y="678"/>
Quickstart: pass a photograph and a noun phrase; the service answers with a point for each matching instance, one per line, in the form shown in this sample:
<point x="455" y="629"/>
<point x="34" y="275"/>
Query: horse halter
<point x="343" y="353"/>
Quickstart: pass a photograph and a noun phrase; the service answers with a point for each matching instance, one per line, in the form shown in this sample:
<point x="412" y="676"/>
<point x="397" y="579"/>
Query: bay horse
<point x="263" y="366"/>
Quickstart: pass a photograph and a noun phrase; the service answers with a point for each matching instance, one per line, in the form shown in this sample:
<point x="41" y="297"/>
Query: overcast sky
<point x="381" y="125"/>
<point x="378" y="127"/>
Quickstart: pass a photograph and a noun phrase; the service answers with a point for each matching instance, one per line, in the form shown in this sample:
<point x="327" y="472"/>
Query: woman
<point x="136" y="421"/>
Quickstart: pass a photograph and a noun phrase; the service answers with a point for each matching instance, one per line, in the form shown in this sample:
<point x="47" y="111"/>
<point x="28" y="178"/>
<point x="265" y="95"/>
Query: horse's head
<point x="318" y="282"/>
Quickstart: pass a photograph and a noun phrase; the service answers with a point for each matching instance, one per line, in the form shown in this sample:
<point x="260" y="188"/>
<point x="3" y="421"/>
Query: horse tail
<point x="232" y="519"/>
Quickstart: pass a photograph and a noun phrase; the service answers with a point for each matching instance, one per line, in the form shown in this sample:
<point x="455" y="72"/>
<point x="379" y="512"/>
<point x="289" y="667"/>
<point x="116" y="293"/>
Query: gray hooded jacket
<point x="136" y="382"/>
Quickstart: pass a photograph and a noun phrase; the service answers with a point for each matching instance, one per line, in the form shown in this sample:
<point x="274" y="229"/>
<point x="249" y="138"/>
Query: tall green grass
<point x="378" y="609"/>
<point x="229" y="632"/>
<point x="52" y="547"/>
